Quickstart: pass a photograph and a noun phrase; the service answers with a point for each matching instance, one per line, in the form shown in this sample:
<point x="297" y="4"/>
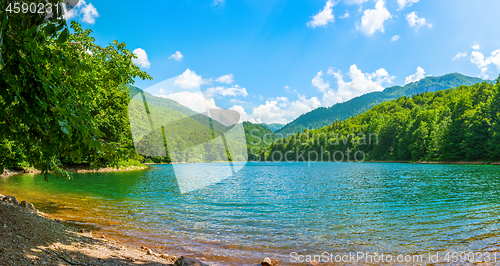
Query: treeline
<point x="447" y="125"/>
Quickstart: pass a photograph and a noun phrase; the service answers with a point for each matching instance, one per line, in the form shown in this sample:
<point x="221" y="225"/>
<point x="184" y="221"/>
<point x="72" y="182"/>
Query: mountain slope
<point x="461" y="124"/>
<point x="323" y="116"/>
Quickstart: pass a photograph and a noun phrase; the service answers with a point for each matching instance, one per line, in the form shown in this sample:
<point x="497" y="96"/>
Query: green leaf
<point x="62" y="123"/>
<point x="63" y="37"/>
<point x="49" y="29"/>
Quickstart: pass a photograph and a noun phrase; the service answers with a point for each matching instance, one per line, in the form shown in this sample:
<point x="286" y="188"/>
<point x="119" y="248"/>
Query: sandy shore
<point x="77" y="169"/>
<point x="30" y="237"/>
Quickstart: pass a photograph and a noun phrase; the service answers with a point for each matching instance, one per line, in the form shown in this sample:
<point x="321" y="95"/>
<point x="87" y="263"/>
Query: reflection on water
<point x="271" y="209"/>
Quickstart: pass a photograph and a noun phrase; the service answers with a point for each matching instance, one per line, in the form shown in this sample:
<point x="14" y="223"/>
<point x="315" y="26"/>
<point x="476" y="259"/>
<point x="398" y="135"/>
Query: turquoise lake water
<point x="272" y="209"/>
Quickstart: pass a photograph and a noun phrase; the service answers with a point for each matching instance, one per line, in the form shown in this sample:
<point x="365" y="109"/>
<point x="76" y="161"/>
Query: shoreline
<point x="31" y="237"/>
<point x="437" y="162"/>
<point x="81" y="169"/>
<point x="391" y="161"/>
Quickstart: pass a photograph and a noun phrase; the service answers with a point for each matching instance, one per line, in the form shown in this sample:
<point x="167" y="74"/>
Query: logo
<point x="205" y="144"/>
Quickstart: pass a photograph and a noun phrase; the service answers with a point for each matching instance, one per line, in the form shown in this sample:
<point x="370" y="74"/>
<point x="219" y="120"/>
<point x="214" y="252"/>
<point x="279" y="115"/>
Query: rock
<point x="28" y="205"/>
<point x="270" y="262"/>
<point x="149" y="251"/>
<point x="183" y="261"/>
<point x="11" y="199"/>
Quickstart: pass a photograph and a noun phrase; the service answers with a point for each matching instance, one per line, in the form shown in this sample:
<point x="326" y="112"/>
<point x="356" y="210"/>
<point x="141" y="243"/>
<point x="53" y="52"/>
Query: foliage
<point x="322" y="116"/>
<point x="128" y="163"/>
<point x="63" y="97"/>
<point x="257" y="138"/>
<point x="450" y="125"/>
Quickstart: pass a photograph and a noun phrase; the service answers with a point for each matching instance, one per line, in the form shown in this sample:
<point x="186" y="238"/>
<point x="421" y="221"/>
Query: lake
<point x="273" y="209"/>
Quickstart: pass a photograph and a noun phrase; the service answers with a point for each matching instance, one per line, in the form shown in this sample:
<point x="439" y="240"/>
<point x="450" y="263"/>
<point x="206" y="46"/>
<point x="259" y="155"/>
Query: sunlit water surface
<point x="272" y="209"/>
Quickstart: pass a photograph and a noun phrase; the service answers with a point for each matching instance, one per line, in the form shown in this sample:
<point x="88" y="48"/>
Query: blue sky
<point x="274" y="60"/>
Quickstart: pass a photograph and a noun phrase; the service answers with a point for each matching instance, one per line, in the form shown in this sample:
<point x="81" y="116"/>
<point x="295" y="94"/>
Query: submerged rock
<point x="183" y="261"/>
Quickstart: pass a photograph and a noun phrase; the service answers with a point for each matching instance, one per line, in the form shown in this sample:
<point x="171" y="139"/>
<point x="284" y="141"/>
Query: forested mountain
<point x="257" y="137"/>
<point x="323" y="116"/>
<point x="274" y="126"/>
<point x="447" y="125"/>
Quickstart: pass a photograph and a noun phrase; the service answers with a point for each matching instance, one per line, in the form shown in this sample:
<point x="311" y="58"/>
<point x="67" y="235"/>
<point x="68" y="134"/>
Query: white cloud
<point x="177" y="56"/>
<point x="318" y="82"/>
<point x="479" y="59"/>
<point x="373" y="19"/>
<point x="360" y="84"/>
<point x="237" y="101"/>
<point x="302" y="106"/>
<point x="395" y="38"/>
<point x="281" y="110"/>
<point x="403" y="3"/>
<point x="88" y="11"/>
<point x="218" y="2"/>
<point x="196" y="101"/>
<point x="228" y="79"/>
<point x="482" y="62"/>
<point x="232" y="91"/>
<point x="459" y="55"/>
<point x="162" y="91"/>
<point x="346" y="15"/>
<point x="475" y="46"/>
<point x="73" y="12"/>
<point x="416" y="22"/>
<point x="420" y="74"/>
<point x="495" y="58"/>
<point x="142" y="58"/>
<point x="288" y="89"/>
<point x="189" y="80"/>
<point x="269" y="113"/>
<point x="243" y="115"/>
<point x="324" y="16"/>
<point x="355" y="2"/>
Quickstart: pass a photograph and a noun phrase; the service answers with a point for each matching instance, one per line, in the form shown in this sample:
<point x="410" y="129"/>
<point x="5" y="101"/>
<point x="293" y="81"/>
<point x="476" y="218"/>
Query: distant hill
<point x="274" y="126"/>
<point x="323" y="116"/>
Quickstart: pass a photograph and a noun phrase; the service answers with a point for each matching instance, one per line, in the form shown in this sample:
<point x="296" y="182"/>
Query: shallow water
<point x="272" y="209"/>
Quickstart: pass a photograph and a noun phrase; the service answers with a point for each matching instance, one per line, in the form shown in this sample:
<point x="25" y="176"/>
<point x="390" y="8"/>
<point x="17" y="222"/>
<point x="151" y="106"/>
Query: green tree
<point x="55" y="87"/>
